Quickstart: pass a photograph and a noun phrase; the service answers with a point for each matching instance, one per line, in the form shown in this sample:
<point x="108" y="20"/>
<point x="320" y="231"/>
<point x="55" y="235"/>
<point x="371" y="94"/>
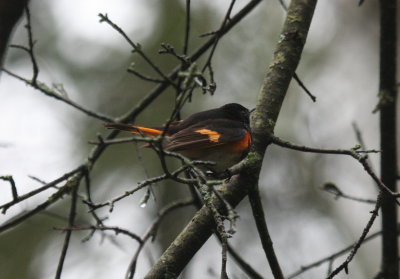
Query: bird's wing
<point x="209" y="134"/>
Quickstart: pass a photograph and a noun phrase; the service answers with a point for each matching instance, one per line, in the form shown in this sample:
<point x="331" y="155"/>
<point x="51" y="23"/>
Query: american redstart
<point x="220" y="135"/>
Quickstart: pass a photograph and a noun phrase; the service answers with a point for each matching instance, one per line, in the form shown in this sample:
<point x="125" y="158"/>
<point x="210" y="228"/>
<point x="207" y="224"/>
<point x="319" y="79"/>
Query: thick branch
<point x="387" y="106"/>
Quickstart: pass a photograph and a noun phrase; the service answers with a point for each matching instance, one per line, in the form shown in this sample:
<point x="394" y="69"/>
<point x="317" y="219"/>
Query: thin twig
<point x="351" y="152"/>
<point x="31" y="44"/>
<point x="149" y="190"/>
<point x="116" y="230"/>
<point x="217" y="35"/>
<point x="65" y="189"/>
<point x="20" y="198"/>
<point x="360" y="140"/>
<point x="152" y="231"/>
<point x="333" y="256"/>
<point x="301" y="84"/>
<point x="53" y="93"/>
<point x="71" y="222"/>
<point x="345" y="264"/>
<point x="132" y="114"/>
<point x="136" y="47"/>
<point x="99" y="221"/>
<point x="143" y="184"/>
<point x="144" y="77"/>
<point x="187" y="28"/>
<point x="168" y="49"/>
<point x="334" y="190"/>
<point x="14" y="192"/>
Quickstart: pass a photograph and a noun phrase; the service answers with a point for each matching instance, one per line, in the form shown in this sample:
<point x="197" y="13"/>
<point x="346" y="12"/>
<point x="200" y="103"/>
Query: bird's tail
<point x="139" y="130"/>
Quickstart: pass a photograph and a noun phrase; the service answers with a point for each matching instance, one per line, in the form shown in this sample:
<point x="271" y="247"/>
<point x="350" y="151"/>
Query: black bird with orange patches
<point x="220" y="135"/>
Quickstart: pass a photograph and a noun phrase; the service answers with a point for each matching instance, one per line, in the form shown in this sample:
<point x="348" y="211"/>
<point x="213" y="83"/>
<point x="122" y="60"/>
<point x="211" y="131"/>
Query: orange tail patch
<point x="139" y="130"/>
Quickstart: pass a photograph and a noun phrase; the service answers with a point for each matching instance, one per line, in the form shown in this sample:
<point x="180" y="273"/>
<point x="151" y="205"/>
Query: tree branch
<point x="71" y="223"/>
<point x="387" y="107"/>
<point x="266" y="241"/>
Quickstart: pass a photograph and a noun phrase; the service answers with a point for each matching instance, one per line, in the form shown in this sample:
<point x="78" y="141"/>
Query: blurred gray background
<point x="45" y="138"/>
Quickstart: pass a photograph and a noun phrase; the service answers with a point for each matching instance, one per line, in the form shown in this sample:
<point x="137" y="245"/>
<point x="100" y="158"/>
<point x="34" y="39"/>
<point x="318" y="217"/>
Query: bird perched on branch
<point x="220" y="135"/>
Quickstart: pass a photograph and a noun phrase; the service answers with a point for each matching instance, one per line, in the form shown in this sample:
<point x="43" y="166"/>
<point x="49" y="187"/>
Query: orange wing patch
<point x="212" y="135"/>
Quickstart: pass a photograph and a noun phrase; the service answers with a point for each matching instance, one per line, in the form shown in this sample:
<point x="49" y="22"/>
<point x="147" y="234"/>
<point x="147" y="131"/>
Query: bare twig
<point x="334" y="190"/>
<point x="360" y="140"/>
<point x="116" y="230"/>
<point x="351" y="152"/>
<point x="152" y="231"/>
<point x="71" y="222"/>
<point x="333" y="256"/>
<point x="301" y="84"/>
<point x="187" y="28"/>
<point x="144" y="77"/>
<point x="130" y="115"/>
<point x="136" y="48"/>
<point x="20" y="198"/>
<point x="52" y="92"/>
<point x="345" y="265"/>
<point x="217" y="35"/>
<point x="128" y="193"/>
<point x="14" y="192"/>
<point x="99" y="221"/>
<point x="65" y="189"/>
<point x="31" y="44"/>
<point x="167" y="48"/>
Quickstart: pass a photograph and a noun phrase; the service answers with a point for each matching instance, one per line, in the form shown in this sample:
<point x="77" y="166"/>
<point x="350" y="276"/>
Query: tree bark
<point x="387" y="106"/>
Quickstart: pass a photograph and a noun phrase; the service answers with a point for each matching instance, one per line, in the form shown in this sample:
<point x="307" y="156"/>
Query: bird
<point x="221" y="135"/>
